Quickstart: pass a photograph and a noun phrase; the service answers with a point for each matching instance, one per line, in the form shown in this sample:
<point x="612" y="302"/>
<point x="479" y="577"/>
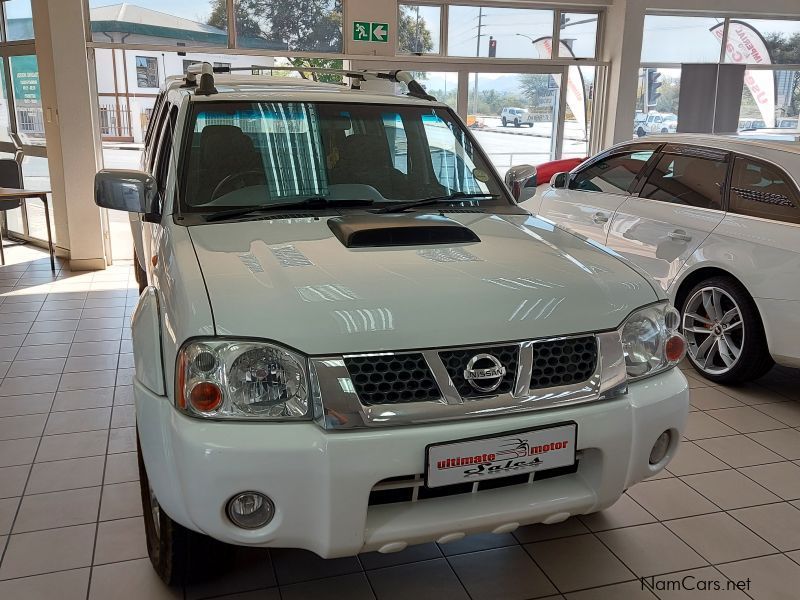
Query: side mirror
<point x="560" y="180"/>
<point x="519" y="177"/>
<point x="131" y="191"/>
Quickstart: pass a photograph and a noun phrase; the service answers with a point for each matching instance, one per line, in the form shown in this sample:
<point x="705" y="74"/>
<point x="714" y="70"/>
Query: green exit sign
<point x="370" y="31"/>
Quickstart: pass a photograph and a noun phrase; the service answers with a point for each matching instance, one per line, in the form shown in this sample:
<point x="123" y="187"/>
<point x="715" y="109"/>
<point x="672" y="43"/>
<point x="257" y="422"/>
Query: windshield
<point x="242" y="154"/>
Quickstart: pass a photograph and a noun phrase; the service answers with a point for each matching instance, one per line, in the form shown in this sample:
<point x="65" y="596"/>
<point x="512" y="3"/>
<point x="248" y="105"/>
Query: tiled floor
<point x="70" y="518"/>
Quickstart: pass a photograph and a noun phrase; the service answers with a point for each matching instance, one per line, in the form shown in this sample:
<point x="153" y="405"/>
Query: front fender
<point x="146" y="335"/>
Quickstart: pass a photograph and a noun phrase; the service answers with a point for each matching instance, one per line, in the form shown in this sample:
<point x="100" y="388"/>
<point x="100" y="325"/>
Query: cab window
<point x="762" y="190"/>
<point x="686" y="179"/>
<point x="614" y="174"/>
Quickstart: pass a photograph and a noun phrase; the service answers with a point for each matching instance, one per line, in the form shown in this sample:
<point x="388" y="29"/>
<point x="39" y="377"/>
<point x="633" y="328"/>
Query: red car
<point x="545" y="171"/>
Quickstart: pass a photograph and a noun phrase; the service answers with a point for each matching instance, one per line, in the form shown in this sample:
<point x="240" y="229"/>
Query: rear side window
<point x="762" y="190"/>
<point x="613" y="175"/>
<point x="685" y="179"/>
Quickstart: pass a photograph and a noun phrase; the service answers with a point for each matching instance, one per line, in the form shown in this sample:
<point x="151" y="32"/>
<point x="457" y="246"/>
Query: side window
<point x="154" y="129"/>
<point x="613" y="175"/>
<point x="164" y="157"/>
<point x="398" y="142"/>
<point x="451" y="156"/>
<point x="686" y="179"/>
<point x="762" y="190"/>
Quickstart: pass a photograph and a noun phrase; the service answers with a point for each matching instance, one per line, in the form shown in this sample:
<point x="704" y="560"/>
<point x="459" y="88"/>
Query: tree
<point x="413" y="35"/>
<point x="785" y="50"/>
<point x="534" y="88"/>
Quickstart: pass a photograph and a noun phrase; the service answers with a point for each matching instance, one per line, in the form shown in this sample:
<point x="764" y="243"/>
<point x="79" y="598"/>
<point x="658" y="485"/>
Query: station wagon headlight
<point x="241" y="380"/>
<point x="651" y="342"/>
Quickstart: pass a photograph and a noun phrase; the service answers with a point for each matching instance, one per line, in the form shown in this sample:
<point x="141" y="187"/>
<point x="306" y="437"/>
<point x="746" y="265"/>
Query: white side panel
<point x="146" y="334"/>
<point x="582" y="212"/>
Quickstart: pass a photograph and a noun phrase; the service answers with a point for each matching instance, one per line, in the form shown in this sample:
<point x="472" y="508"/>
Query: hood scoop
<point x="388" y="230"/>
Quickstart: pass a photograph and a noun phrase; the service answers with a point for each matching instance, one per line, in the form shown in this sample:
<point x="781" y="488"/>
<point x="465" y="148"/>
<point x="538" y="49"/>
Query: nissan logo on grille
<point x="484" y="372"/>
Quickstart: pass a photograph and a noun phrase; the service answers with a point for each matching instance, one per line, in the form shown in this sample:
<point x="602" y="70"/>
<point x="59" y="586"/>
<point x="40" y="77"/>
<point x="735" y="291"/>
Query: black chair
<point x="11" y="177"/>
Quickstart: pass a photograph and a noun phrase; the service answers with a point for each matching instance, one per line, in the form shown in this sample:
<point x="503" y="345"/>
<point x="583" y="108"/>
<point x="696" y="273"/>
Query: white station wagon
<point x="715" y="220"/>
<point x="350" y="338"/>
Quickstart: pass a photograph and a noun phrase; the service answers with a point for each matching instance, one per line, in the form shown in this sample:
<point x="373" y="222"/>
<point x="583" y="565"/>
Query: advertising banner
<point x="576" y="96"/>
<point x="746" y="46"/>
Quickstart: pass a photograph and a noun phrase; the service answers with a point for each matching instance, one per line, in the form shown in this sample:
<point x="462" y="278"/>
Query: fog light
<point x="250" y="510"/>
<point x="660" y="448"/>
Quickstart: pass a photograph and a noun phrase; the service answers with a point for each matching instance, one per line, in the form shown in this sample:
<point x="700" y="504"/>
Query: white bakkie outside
<point x="350" y="338"/>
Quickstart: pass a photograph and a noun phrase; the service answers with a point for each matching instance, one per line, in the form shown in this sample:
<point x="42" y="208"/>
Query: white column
<point x="73" y="143"/>
<point x="623" y="49"/>
<point x="378" y="11"/>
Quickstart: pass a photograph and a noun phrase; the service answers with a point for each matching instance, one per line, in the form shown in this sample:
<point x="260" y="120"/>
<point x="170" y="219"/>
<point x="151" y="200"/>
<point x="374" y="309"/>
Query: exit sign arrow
<point x="380" y="32"/>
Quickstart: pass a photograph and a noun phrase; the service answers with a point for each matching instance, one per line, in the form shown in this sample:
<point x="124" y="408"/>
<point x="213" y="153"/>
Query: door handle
<point x="599" y="217"/>
<point x="679" y="235"/>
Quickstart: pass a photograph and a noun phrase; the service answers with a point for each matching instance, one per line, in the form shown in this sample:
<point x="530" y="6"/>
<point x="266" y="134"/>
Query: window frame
<point x="629" y="148"/>
<point x="442" y="33"/>
<point x="147" y="72"/>
<point x="791" y="181"/>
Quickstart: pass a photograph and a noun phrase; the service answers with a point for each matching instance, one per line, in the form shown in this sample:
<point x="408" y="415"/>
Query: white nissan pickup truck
<point x="350" y="338"/>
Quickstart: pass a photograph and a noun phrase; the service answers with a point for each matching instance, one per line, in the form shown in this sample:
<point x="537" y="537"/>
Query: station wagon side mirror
<point x="520" y="177"/>
<point x="560" y="180"/>
<point x="130" y="191"/>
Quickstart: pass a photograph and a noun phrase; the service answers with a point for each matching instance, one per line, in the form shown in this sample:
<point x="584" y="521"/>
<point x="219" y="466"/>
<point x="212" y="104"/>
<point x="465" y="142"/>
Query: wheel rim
<point x="714" y="330"/>
<point x="155" y="512"/>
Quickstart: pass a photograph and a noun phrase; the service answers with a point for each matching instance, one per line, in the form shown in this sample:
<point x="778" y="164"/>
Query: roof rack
<point x="206" y="71"/>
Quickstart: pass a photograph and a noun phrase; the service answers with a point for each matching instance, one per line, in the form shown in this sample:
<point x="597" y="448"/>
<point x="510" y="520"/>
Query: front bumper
<point x="320" y="481"/>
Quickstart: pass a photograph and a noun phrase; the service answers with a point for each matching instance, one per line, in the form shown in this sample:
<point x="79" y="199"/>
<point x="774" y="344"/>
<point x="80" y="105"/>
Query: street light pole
<point x="477" y="54"/>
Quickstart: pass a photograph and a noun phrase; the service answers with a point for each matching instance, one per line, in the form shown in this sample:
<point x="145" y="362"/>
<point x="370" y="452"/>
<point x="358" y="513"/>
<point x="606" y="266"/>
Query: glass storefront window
<point x="679" y="39"/>
<point x="36" y="176"/>
<point x="778" y="107"/>
<point x="27" y="99"/>
<point x="441" y="85"/>
<point x="289" y="25"/>
<point x="188" y="23"/>
<point x="19" y="22"/>
<point x="471" y="31"/>
<point x="418" y="29"/>
<point x="763" y="41"/>
<point x="658" y="91"/>
<point x="578" y="33"/>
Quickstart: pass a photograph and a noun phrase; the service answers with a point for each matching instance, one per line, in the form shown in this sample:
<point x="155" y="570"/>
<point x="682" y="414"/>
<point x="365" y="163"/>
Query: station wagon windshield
<point x="255" y="154"/>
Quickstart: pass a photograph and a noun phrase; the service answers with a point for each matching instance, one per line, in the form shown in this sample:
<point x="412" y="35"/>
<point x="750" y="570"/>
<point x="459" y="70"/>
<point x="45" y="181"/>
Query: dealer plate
<point x="478" y="459"/>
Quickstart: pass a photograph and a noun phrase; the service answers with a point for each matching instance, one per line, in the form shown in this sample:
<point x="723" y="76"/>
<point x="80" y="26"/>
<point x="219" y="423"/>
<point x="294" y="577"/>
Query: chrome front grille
<point x="392" y="378"/>
<point x="456" y="361"/>
<point x="429" y="386"/>
<point x="564" y="361"/>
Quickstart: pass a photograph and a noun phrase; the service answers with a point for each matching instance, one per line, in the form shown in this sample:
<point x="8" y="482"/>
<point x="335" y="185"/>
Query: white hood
<point x="293" y="282"/>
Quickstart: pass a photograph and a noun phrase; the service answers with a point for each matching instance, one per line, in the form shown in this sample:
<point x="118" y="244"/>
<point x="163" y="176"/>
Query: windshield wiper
<point x="313" y="202"/>
<point x="401" y="206"/>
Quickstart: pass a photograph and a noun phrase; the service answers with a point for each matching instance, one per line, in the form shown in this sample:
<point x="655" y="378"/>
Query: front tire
<point x="505" y="123"/>
<point x="516" y="122"/>
<point x="178" y="555"/>
<point x="640" y="132"/>
<point x="724" y="332"/>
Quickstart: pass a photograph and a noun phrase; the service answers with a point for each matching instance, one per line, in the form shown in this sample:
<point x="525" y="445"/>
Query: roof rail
<point x="356" y="76"/>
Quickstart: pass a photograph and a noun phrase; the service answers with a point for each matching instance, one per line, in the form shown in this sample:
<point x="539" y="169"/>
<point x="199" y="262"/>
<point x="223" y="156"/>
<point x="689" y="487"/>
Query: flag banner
<point x="746" y="46"/>
<point x="576" y="96"/>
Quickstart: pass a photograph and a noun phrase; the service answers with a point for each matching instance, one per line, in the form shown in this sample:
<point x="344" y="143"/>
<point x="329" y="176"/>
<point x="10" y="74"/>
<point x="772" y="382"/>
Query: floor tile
<point x="752" y="394"/>
<point x="696" y="584"/>
<point x="44" y="366"/>
<point x="416" y="553"/>
<point x="782" y="478"/>
<point x="121" y="467"/>
<point x="122" y="439"/>
<point x="293" y="566"/>
<point x="720" y="538"/>
<point x="578" y="562"/>
<point x="57" y="509"/>
<point x="79" y="349"/>
<point x="429" y="580"/>
<point x="745" y="419"/>
<point x="69" y="474"/>
<point x="670" y="499"/>
<point x="245" y="569"/>
<point x="507" y="573"/>
<point x="123" y="416"/>
<point x="8" y="510"/>
<point x="83" y="399"/>
<point x="36" y="384"/>
<point x="98" y="335"/>
<point x="624" y="513"/>
<point x="779" y="524"/>
<point x="48" y="551"/>
<point x="730" y="489"/>
<point x="785" y="412"/>
<point x="691" y="459"/>
<point x="353" y="587"/>
<point x="772" y="577"/>
<point x="54" y="337"/>
<point x="651" y="549"/>
<point x="739" y="451"/>
<point x="120" y="540"/>
<point x="123" y="395"/>
<point x="129" y="580"/>
<point x="785" y="442"/>
<point x="18" y="452"/>
<point x="74" y="421"/>
<point x="631" y="590"/>
<point x="40" y="352"/>
<point x="699" y="426"/>
<point x="541" y="532"/>
<point x="87" y="380"/>
<point x="54" y="326"/>
<point x="29" y="404"/>
<point x="22" y="426"/>
<point x="12" y="480"/>
<point x="71" y="585"/>
<point x="72" y="445"/>
<point x="121" y="500"/>
<point x="103" y="362"/>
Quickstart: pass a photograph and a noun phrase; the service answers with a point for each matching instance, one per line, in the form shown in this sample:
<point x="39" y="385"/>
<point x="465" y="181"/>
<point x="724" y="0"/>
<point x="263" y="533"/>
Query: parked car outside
<point x="656" y="122"/>
<point x="351" y="339"/>
<point x="715" y="220"/>
<point x="516" y="117"/>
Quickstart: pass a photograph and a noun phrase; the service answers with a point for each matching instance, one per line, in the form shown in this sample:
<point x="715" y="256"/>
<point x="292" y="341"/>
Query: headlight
<point x="241" y="380"/>
<point x="651" y="342"/>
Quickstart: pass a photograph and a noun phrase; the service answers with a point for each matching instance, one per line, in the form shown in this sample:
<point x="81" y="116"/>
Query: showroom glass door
<point x="21" y="117"/>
